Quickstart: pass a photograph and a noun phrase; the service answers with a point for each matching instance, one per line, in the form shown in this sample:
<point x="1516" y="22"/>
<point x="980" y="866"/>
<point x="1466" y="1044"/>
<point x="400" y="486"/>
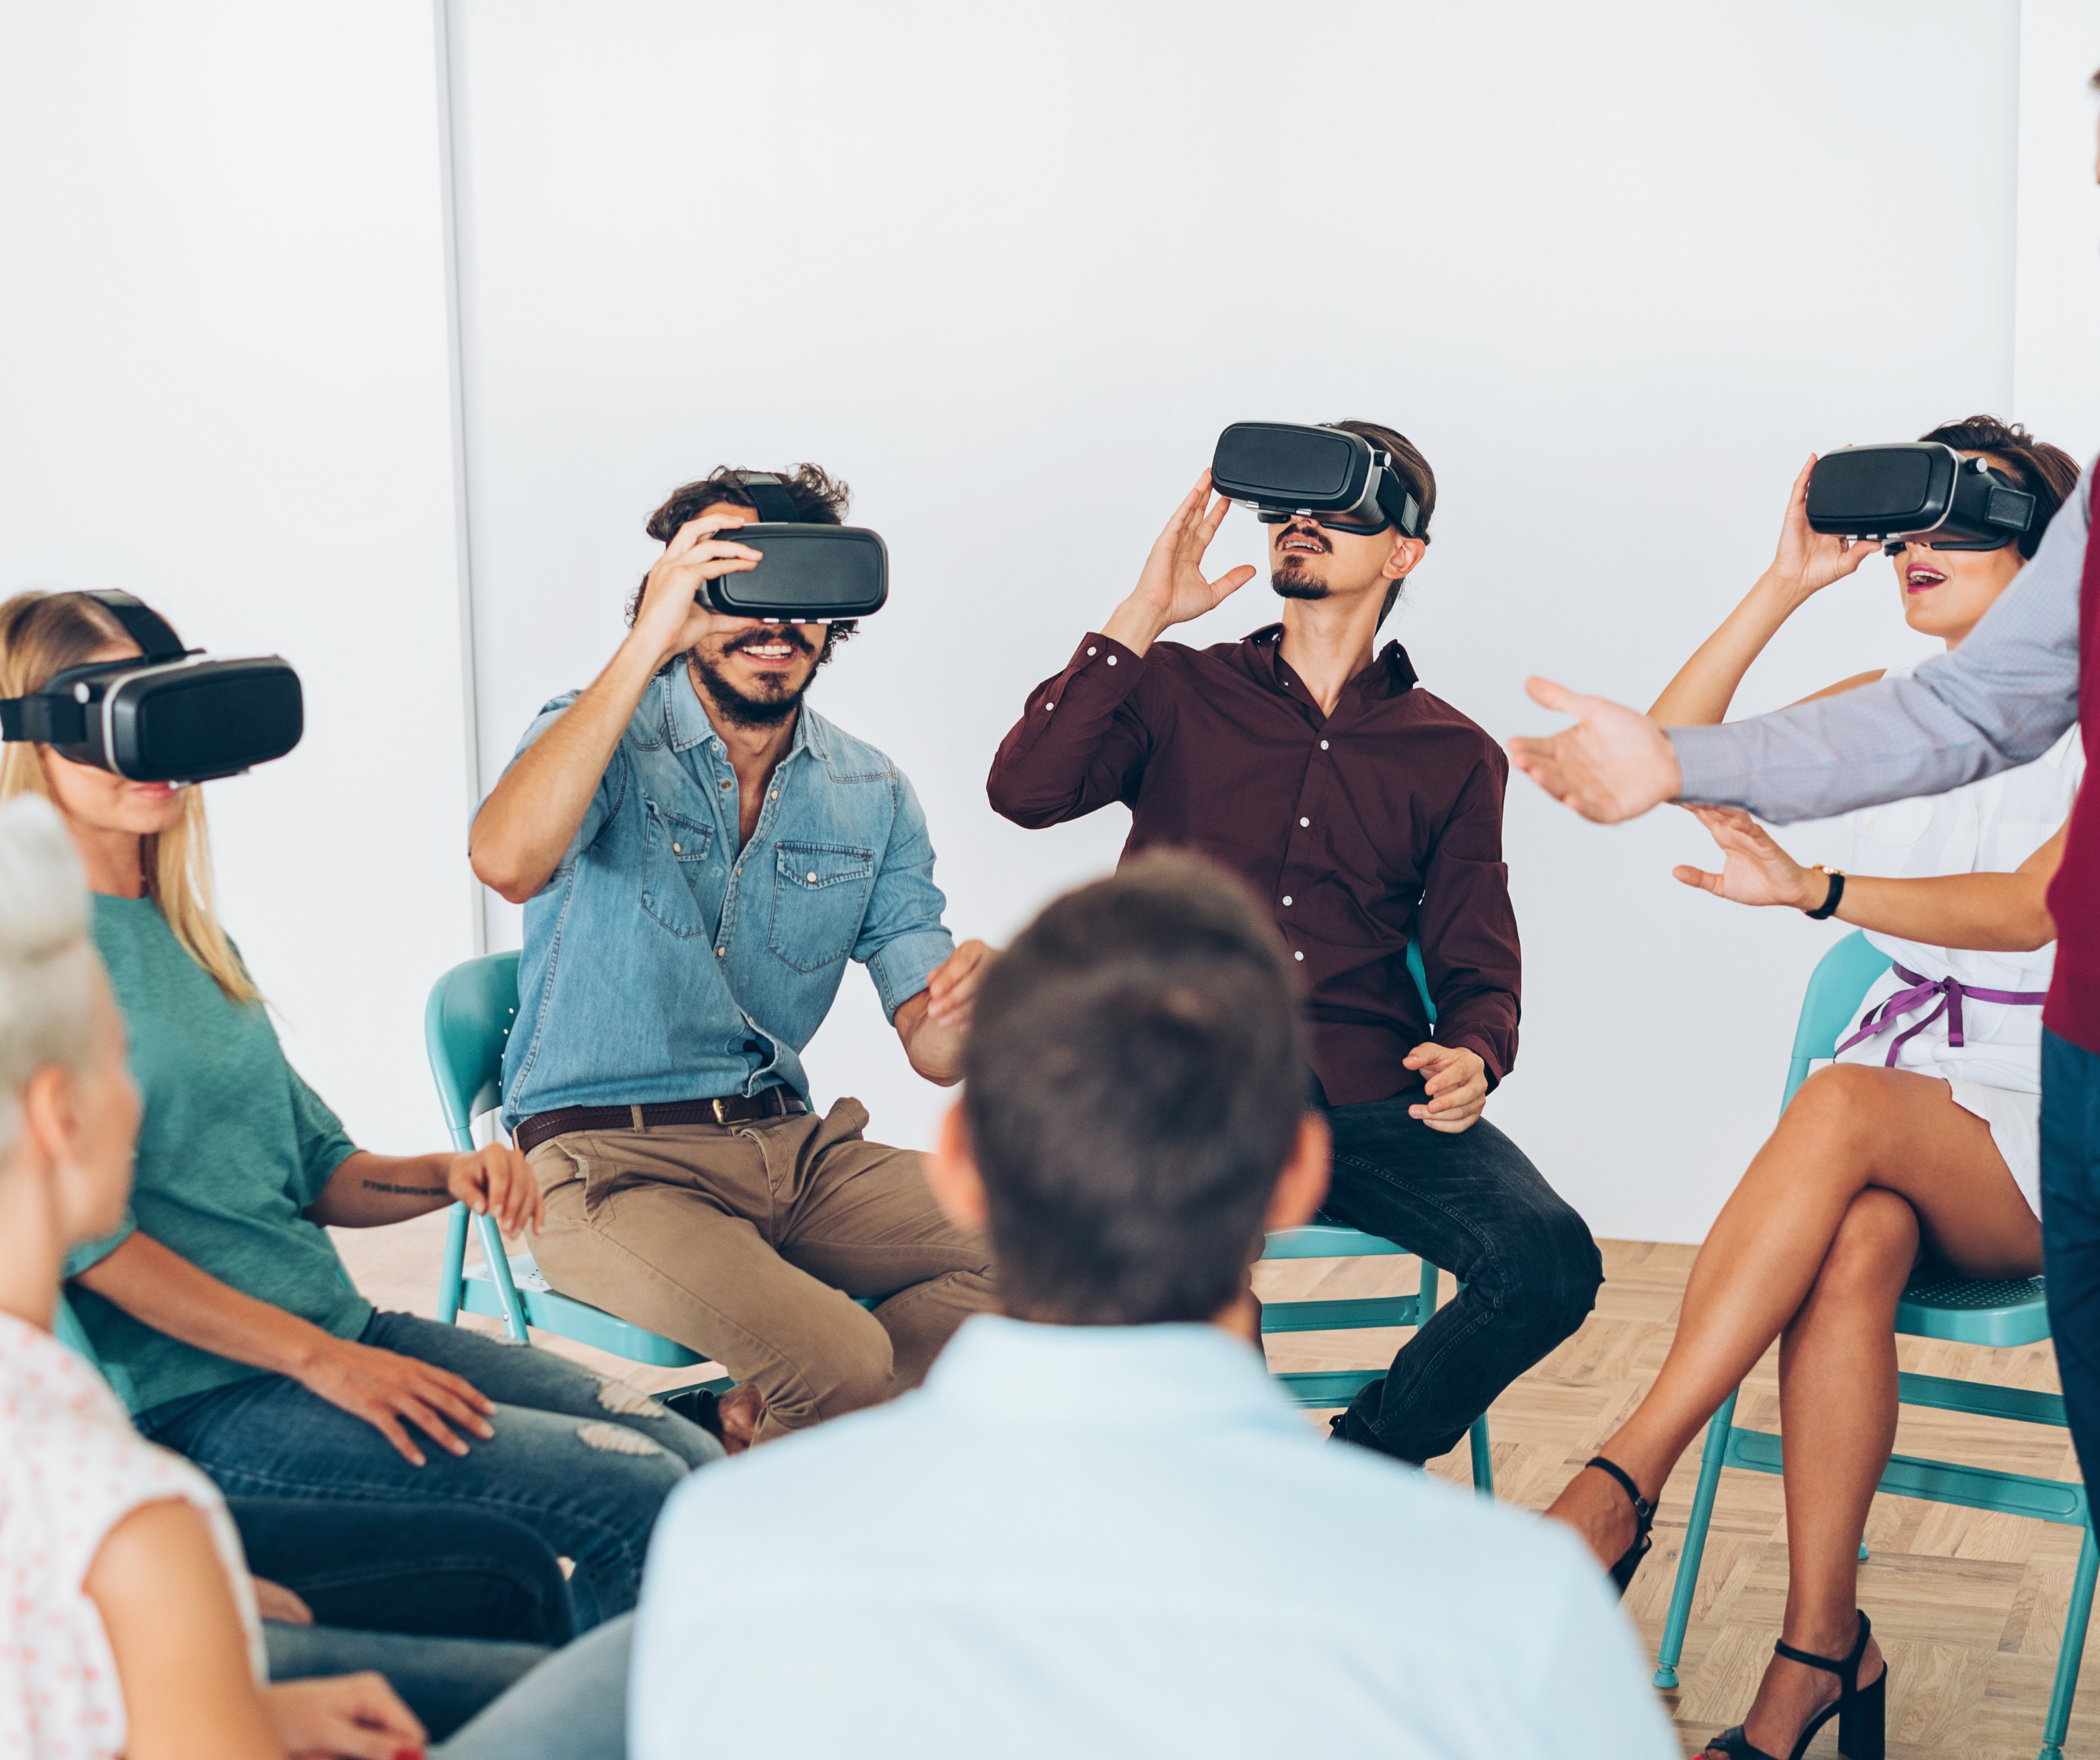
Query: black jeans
<point x="1473" y="1204"/>
<point x="2070" y="1233"/>
<point x="424" y="1569"/>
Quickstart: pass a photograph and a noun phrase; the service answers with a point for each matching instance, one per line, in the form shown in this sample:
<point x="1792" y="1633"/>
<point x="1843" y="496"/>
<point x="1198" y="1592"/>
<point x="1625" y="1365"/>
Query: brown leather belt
<point x="730" y="1109"/>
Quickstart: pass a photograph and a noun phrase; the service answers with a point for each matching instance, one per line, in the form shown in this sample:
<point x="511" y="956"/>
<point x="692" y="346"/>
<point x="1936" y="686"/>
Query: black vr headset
<point x="167" y="716"/>
<point x="811" y="574"/>
<point x="1917" y="492"/>
<point x="1332" y="475"/>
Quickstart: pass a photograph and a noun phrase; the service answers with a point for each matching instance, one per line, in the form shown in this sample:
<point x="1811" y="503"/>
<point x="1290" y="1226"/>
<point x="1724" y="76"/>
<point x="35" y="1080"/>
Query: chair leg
<point x="455" y="1259"/>
<point x="1483" y="1465"/>
<point x="1695" y="1542"/>
<point x="499" y="1270"/>
<point x="2074" y="1648"/>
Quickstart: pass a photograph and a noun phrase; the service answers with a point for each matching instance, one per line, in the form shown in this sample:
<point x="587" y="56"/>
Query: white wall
<point x="1617" y="269"/>
<point x="1009" y="269"/>
<point x="225" y="388"/>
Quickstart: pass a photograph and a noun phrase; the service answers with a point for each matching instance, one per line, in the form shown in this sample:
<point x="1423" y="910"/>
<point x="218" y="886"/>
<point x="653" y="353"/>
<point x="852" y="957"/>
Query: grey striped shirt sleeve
<point x="2000" y="699"/>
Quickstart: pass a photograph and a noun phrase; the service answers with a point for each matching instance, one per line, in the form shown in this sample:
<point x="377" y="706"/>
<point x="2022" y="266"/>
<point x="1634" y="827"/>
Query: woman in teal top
<point x="219" y="1308"/>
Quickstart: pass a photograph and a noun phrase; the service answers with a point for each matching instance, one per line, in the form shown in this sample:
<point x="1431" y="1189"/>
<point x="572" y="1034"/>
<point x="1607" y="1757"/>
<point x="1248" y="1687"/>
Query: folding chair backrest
<point x="466" y="1024"/>
<point x="1421" y="978"/>
<point x="1836" y="988"/>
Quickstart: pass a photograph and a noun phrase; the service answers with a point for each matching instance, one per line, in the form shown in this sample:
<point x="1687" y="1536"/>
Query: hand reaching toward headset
<point x="671" y="618"/>
<point x="1807" y="561"/>
<point x="1171" y="589"/>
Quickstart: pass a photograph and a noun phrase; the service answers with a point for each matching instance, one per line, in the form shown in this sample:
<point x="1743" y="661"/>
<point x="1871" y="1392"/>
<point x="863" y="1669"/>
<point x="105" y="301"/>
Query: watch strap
<point x="1828" y="907"/>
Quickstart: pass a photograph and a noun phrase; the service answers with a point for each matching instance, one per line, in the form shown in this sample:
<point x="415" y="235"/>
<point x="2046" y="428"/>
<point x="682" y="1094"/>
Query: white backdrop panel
<point x="226" y="390"/>
<point x="1617" y="269"/>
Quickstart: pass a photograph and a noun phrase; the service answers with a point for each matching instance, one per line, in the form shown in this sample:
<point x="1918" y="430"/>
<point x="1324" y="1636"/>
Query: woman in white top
<point x="127" y="1622"/>
<point x="1921" y="1138"/>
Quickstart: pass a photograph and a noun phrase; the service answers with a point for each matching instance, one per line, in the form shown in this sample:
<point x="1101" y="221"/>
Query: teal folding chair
<point x="466" y="1024"/>
<point x="1970" y="1313"/>
<point x="1330" y="1240"/>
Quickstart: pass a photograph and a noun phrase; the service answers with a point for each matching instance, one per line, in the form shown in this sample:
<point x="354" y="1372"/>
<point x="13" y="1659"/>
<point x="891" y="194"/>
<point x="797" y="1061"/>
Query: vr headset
<point x="810" y="574"/>
<point x="1332" y="476"/>
<point x="1917" y="492"/>
<point x="168" y="716"/>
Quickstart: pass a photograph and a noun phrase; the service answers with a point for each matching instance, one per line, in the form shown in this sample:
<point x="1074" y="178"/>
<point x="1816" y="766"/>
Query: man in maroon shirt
<point x="1367" y="814"/>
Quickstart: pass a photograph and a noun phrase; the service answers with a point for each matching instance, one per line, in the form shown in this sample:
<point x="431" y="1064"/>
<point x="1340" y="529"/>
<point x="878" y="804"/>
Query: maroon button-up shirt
<point x="1362" y="828"/>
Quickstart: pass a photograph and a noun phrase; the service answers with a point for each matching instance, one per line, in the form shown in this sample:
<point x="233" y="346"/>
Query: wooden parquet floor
<point x="1970" y="1606"/>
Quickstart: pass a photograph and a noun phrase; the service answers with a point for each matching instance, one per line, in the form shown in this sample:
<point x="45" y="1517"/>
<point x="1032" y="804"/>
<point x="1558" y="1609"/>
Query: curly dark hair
<point x="820" y="498"/>
<point x="2047" y="473"/>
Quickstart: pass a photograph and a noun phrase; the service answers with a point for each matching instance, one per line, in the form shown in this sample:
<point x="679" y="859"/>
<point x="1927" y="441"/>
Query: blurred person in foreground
<point x="1099" y="1527"/>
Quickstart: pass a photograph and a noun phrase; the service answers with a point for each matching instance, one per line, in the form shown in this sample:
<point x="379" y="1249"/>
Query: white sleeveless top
<point x="71" y="1468"/>
<point x="1987" y="827"/>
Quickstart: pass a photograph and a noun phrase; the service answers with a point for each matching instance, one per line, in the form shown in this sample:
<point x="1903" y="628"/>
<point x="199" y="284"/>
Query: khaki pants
<point x="747" y="1243"/>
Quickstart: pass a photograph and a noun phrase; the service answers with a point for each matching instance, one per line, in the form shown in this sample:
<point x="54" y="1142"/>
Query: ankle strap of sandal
<point x="1848" y="1670"/>
<point x="1643" y="1510"/>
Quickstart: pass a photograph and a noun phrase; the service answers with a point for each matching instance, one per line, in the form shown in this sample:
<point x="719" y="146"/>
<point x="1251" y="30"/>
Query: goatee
<point x="741" y="710"/>
<point x="1290" y="584"/>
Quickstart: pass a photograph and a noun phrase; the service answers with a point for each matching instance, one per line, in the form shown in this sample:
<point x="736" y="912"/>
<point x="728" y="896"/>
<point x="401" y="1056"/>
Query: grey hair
<point x="47" y="962"/>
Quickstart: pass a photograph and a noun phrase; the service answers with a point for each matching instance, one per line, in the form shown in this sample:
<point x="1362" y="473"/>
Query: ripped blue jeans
<point x="585" y="1463"/>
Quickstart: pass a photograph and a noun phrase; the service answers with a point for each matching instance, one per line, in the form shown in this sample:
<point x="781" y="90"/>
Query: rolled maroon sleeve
<point x="1467" y="926"/>
<point x="1079" y="743"/>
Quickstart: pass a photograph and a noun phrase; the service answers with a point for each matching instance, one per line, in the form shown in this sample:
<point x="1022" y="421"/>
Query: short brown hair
<point x="820" y="498"/>
<point x="1414" y="470"/>
<point x="2047" y="473"/>
<point x="1136" y="1077"/>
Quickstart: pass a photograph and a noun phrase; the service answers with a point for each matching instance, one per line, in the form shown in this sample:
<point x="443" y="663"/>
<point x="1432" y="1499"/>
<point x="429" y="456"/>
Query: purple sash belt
<point x="1950" y="991"/>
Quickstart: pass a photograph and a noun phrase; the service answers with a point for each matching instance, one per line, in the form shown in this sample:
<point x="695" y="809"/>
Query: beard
<point x="779" y="699"/>
<point x="1295" y="581"/>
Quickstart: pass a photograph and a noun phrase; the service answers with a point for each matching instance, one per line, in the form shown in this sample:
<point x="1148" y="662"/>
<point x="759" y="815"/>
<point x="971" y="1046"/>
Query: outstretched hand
<point x="1614" y="763"/>
<point x="1172" y="589"/>
<point x="1755" y="870"/>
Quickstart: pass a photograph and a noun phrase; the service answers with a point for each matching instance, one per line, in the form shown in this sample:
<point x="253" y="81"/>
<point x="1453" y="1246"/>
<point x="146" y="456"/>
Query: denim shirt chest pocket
<point x="819" y="896"/>
<point x="674" y="856"/>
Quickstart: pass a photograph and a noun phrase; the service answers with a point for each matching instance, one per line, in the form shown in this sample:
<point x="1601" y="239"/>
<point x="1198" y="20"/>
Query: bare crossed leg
<point x="1867" y="1168"/>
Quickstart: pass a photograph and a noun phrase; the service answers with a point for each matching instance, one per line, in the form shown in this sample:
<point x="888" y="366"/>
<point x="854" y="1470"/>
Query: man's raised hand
<point x="1171" y="589"/>
<point x="1614" y="763"/>
<point x="671" y="618"/>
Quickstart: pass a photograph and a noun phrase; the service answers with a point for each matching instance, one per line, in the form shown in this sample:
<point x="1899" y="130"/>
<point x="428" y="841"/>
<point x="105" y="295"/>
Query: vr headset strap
<point x="145" y="626"/>
<point x="770" y="500"/>
<point x="1401" y="507"/>
<point x="52" y="719"/>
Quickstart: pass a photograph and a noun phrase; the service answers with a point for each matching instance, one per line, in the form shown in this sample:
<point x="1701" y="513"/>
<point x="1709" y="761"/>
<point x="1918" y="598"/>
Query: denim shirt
<point x="661" y="963"/>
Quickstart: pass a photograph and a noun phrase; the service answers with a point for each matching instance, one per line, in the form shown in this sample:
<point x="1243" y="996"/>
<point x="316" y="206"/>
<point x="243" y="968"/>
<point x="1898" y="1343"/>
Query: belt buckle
<point x="721" y="1117"/>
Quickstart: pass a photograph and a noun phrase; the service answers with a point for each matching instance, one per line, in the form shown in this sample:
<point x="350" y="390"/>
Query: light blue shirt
<point x="1124" y="1541"/>
<point x="662" y="962"/>
<point x="2000" y="699"/>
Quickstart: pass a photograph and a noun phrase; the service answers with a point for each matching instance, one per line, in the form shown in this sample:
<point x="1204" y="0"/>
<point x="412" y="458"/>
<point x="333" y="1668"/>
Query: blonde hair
<point x="47" y="964"/>
<point x="41" y="635"/>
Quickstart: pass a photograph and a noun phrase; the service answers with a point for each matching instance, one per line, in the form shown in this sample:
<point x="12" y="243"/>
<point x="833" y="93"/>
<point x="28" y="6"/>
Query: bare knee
<point x="1874" y="1248"/>
<point x="1845" y="1101"/>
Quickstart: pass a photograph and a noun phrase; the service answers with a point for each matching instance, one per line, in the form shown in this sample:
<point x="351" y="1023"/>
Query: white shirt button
<point x="1305" y="821"/>
<point x="1111" y="659"/>
<point x="677" y="849"/>
<point x="774" y="795"/>
<point x="1048" y="707"/>
<point x="1297" y="955"/>
<point x="1323" y="745"/>
<point x="1092" y="652"/>
<point x="813" y="879"/>
<point x="1286" y="898"/>
<point x="721" y="952"/>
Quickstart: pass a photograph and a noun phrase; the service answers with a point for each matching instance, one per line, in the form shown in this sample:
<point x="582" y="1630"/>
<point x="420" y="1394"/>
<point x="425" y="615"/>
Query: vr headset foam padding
<point x="1284" y="468"/>
<point x="1917" y="490"/>
<point x="167" y="716"/>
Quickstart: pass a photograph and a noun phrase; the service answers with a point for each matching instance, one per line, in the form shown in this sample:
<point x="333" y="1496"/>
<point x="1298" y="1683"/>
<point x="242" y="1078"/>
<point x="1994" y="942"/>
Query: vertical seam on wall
<point x="455" y="368"/>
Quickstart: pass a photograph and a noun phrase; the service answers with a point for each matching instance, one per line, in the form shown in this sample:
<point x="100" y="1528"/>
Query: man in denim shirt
<point x="698" y="853"/>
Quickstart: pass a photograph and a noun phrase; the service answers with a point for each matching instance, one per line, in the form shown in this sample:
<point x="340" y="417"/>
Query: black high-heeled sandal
<point x="1622" y="1573"/>
<point x="1862" y="1715"/>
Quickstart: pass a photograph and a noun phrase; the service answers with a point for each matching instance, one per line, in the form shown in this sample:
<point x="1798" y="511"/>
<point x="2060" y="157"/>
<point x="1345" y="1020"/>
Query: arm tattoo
<point x="405" y="1191"/>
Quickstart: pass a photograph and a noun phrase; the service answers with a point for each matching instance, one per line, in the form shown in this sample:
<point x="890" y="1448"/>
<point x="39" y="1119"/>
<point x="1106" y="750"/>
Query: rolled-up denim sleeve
<point x="602" y="801"/>
<point x="2000" y="699"/>
<point x="901" y="936"/>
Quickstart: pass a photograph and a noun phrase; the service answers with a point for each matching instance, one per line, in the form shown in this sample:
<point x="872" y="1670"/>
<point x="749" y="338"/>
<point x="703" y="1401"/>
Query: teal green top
<point x="232" y="1148"/>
